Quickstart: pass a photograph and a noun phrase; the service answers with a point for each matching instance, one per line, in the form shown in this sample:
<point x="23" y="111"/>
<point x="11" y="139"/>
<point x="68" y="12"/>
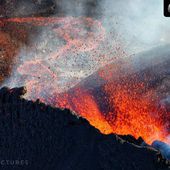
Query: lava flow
<point x="123" y="106"/>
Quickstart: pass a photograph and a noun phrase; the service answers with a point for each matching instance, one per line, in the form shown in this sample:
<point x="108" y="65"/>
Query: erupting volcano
<point x="124" y="106"/>
<point x="115" y="99"/>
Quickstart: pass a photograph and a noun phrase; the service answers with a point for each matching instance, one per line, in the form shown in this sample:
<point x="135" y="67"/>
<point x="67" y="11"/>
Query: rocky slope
<point x="50" y="138"/>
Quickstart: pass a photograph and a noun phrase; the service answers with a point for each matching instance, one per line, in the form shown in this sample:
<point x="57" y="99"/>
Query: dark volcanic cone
<point x="48" y="138"/>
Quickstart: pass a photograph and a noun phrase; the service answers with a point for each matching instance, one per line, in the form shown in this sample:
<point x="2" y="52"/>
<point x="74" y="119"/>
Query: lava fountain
<point x="122" y="104"/>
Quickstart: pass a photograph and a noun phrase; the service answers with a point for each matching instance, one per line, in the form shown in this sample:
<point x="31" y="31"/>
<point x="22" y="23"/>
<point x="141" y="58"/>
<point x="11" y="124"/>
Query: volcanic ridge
<point x="52" y="138"/>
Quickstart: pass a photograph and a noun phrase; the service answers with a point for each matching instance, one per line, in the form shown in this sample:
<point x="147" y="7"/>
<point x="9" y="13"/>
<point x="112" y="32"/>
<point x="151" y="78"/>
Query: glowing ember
<point x="79" y="35"/>
<point x="133" y="108"/>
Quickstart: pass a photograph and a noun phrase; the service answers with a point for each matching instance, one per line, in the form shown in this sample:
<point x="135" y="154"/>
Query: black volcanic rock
<point x="131" y="139"/>
<point x="50" y="138"/>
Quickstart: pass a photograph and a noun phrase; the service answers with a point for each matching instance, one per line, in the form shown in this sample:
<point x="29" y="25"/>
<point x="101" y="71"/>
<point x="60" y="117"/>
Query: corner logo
<point x="167" y="8"/>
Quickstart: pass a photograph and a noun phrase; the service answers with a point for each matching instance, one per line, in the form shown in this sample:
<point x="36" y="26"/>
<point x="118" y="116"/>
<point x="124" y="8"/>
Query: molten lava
<point x="136" y="112"/>
<point x="133" y="107"/>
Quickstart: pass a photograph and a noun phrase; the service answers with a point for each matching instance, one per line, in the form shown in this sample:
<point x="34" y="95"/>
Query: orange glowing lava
<point x="134" y="112"/>
<point x="84" y="103"/>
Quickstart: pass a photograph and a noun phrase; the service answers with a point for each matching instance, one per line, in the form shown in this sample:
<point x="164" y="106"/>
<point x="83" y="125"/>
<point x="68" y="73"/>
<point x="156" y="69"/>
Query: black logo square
<point x="167" y="8"/>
